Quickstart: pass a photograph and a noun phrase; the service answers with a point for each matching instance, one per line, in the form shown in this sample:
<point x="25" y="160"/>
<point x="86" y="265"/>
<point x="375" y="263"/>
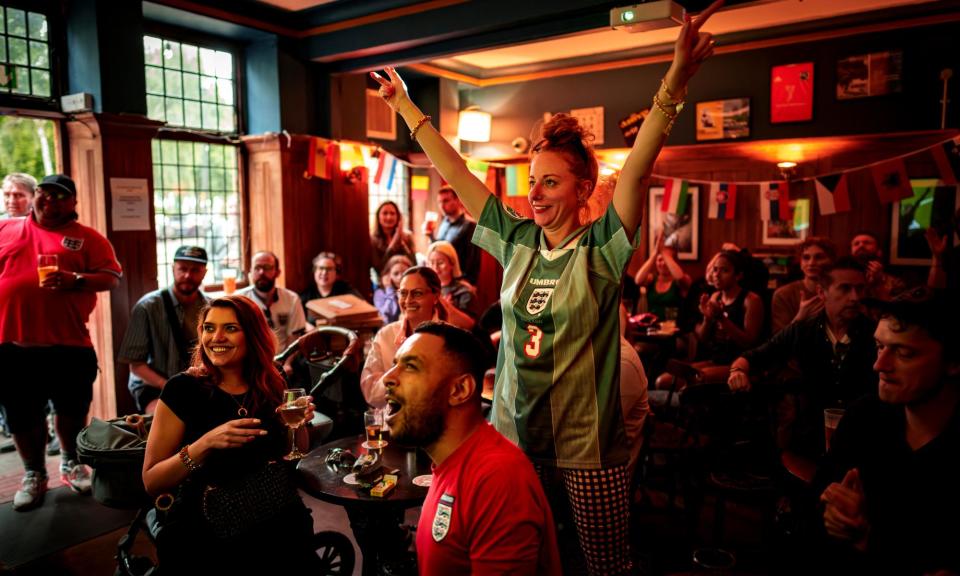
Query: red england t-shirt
<point x="30" y="314"/>
<point x="486" y="513"/>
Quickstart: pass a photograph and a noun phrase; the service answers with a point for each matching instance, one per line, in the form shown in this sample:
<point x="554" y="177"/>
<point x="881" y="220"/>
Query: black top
<point x="828" y="379"/>
<point x="721" y="349"/>
<point x="203" y="406"/>
<point x="913" y="504"/>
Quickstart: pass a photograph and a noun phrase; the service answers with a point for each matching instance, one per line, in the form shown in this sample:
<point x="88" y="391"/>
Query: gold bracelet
<point x="674" y="99"/>
<point x="187" y="461"/>
<point x="671" y="118"/>
<point x="423" y="120"/>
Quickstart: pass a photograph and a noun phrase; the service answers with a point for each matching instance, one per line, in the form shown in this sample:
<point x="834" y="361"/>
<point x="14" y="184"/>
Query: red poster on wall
<point x="791" y="93"/>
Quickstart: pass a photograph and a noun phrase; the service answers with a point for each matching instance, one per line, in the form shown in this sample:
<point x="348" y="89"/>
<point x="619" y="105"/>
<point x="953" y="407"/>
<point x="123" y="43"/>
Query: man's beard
<point x="265" y="285"/>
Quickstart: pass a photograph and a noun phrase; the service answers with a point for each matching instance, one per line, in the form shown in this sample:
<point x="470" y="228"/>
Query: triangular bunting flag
<point x="478" y="168"/>
<point x="947" y="157"/>
<point x="891" y="180"/>
<point x="674" y="197"/>
<point x="381" y="163"/>
<point x="391" y="171"/>
<point x="723" y="200"/>
<point x="774" y="201"/>
<point x="318" y="162"/>
<point x="832" y="194"/>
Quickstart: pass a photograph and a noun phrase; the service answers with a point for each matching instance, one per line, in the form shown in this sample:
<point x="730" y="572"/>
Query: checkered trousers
<point x="600" y="502"/>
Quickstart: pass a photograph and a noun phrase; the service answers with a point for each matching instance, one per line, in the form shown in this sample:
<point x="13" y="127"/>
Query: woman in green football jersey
<point x="557" y="386"/>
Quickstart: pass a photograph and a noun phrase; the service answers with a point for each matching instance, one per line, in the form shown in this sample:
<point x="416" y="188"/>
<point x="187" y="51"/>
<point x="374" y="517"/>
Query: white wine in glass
<point x="293" y="412"/>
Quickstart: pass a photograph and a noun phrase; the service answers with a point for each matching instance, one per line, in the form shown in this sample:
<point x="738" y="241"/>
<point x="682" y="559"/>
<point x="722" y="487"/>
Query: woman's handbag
<point x="233" y="508"/>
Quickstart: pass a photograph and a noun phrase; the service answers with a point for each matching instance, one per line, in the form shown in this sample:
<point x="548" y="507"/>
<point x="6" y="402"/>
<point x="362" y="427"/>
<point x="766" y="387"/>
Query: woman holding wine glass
<point x="217" y="435"/>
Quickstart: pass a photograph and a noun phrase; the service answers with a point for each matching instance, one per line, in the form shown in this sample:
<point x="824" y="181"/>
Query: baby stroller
<point x="115" y="450"/>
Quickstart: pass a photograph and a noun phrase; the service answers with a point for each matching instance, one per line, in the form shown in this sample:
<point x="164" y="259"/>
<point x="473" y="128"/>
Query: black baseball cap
<point x="191" y="254"/>
<point x="61" y="181"/>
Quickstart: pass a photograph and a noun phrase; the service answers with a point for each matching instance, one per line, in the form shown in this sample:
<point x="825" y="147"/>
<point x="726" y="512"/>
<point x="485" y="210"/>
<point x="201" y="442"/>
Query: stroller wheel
<point x="335" y="552"/>
<point x="137" y="566"/>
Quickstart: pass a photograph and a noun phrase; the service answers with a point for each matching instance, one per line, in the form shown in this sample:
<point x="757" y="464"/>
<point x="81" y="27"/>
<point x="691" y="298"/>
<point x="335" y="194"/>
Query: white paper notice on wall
<point x="131" y="204"/>
<point x="592" y="120"/>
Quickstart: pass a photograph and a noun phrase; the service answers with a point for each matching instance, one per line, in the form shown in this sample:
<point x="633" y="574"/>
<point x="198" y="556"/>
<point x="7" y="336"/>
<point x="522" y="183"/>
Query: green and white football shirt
<point x="557" y="391"/>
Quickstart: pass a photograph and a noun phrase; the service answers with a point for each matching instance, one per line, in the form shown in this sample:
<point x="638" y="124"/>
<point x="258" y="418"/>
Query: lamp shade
<point x="474" y="126"/>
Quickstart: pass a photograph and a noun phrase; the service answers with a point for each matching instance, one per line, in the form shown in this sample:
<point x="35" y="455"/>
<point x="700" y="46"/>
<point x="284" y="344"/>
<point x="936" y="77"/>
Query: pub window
<point x="197" y="202"/>
<point x="24" y="53"/>
<point x="190" y="86"/>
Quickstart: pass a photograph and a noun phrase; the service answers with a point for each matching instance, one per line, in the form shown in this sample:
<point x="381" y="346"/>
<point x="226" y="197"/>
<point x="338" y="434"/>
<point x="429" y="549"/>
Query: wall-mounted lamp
<point x="474" y="125"/>
<point x="787" y="169"/>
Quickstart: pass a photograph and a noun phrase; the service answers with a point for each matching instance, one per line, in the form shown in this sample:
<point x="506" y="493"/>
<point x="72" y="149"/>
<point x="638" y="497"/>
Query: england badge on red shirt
<point x="441" y="520"/>
<point x="74" y="244"/>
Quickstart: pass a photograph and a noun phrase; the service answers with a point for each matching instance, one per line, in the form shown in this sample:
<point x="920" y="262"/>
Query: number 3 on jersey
<point x="532" y="348"/>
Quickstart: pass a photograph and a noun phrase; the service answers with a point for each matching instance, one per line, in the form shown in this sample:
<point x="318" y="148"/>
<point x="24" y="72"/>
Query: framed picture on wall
<point x="932" y="205"/>
<point x="872" y="74"/>
<point x="679" y="230"/>
<point x="789" y="232"/>
<point x="791" y="93"/>
<point x="723" y="119"/>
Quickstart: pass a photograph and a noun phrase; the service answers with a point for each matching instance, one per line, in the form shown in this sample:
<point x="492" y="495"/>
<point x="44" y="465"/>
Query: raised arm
<point x="472" y="192"/>
<point x="691" y="49"/>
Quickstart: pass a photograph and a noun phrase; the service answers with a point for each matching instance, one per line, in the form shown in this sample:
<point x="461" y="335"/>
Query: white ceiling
<point x="736" y="19"/>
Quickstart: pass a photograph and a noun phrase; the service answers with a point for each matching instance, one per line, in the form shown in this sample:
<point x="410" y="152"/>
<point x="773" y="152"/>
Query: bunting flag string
<point x="723" y="201"/>
<point x="890" y="177"/>
<point x="891" y="180"/>
<point x="832" y="194"/>
<point x="774" y="201"/>
<point x="675" y="195"/>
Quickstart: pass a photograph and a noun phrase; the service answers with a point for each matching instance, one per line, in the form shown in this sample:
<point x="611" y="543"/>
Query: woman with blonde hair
<point x="456" y="291"/>
<point x="557" y="385"/>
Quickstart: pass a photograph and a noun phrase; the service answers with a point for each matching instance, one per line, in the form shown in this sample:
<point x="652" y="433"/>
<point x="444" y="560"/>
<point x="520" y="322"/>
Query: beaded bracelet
<point x="423" y="120"/>
<point x="674" y="99"/>
<point x="659" y="105"/>
<point x="188" y="462"/>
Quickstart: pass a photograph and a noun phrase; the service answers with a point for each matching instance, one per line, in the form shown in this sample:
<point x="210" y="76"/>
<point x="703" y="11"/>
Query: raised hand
<point x="693" y="47"/>
<point x="809" y="308"/>
<point x="392" y="88"/>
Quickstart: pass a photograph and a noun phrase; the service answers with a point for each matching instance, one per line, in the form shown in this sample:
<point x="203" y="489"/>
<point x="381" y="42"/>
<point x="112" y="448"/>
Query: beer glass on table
<point x="373" y="424"/>
<point x="293" y="412"/>
<point x="46" y="264"/>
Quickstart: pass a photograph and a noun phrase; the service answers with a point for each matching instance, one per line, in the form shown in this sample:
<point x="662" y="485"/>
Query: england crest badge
<point x="74" y="244"/>
<point x="538" y="300"/>
<point x="441" y="519"/>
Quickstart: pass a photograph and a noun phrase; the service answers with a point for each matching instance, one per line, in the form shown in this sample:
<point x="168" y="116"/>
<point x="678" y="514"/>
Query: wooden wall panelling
<point x="101" y="147"/>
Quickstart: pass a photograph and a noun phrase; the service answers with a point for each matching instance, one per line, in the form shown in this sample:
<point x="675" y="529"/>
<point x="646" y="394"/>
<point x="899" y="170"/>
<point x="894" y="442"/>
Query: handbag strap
<point x="175" y="326"/>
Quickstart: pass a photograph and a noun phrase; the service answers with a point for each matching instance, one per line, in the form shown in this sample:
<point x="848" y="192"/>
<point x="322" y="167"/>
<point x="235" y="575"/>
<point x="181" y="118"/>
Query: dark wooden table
<point x="375" y="521"/>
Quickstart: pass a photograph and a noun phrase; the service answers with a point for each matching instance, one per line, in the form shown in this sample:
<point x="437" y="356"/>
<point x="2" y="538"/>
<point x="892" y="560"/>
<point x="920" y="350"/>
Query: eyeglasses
<point x="264" y="268"/>
<point x="58" y="195"/>
<point x="414" y="294"/>
<point x="325" y="268"/>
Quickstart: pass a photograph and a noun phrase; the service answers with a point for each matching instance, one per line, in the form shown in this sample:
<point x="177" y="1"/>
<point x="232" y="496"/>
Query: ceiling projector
<point x="646" y="16"/>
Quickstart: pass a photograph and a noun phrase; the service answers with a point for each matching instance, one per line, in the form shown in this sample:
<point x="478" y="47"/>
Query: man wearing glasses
<point x="282" y="307"/>
<point x="44" y="341"/>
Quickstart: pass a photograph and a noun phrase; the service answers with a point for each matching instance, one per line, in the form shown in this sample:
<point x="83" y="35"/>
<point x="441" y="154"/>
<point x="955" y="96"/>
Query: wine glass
<point x="293" y="412"/>
<point x="373" y="424"/>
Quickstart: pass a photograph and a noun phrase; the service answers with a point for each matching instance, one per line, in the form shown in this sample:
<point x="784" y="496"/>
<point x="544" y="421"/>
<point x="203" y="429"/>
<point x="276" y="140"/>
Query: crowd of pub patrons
<point x="847" y="334"/>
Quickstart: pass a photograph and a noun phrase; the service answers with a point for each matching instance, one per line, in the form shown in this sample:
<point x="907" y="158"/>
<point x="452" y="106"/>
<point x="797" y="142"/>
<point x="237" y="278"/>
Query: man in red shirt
<point x="44" y="343"/>
<point x="485" y="512"/>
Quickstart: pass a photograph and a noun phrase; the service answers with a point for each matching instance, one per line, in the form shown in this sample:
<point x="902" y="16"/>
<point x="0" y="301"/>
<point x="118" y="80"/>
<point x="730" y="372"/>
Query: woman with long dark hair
<point x="216" y="428"/>
<point x="389" y="238"/>
<point x="557" y="384"/>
